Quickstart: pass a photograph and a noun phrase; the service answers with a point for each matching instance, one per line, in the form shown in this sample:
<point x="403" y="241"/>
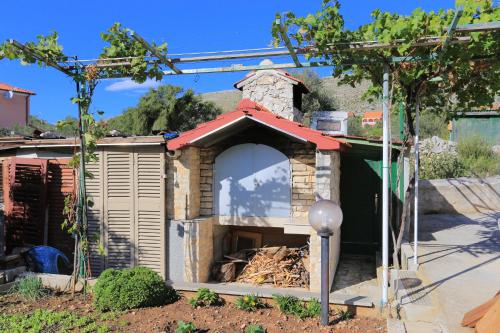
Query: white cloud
<point x="128" y="84"/>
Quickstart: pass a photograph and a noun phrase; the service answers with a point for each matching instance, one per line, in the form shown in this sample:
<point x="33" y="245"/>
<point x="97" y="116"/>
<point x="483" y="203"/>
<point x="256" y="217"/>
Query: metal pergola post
<point x="385" y="188"/>
<point x="415" y="206"/>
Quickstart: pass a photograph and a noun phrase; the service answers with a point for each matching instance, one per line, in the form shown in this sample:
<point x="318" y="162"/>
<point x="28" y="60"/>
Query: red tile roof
<point x="373" y="114"/>
<point x="289" y="76"/>
<point x="248" y="109"/>
<point x="8" y="87"/>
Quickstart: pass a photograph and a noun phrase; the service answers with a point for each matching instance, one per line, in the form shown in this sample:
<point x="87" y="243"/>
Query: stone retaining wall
<point x="459" y="195"/>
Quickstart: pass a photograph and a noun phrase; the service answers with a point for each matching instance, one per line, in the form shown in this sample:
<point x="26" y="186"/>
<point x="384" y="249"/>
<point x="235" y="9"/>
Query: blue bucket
<point x="45" y="259"/>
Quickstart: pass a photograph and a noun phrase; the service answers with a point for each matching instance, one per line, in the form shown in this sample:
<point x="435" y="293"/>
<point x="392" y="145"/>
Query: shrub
<point x="293" y="306"/>
<point x="249" y="303"/>
<point x="30" y="287"/>
<point x="478" y="157"/>
<point x="185" y="327"/>
<point x="254" y="328"/>
<point x="313" y="308"/>
<point x="343" y="315"/>
<point x="440" y="165"/>
<point x="131" y="288"/>
<point x="205" y="297"/>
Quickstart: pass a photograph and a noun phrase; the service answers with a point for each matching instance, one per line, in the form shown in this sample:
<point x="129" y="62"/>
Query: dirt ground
<point x="227" y="318"/>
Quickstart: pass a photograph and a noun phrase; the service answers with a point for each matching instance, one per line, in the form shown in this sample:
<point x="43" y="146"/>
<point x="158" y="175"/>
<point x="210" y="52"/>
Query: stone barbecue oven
<point x="254" y="170"/>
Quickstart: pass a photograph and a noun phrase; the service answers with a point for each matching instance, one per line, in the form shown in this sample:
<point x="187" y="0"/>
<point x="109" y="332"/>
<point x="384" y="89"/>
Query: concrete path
<point x="459" y="259"/>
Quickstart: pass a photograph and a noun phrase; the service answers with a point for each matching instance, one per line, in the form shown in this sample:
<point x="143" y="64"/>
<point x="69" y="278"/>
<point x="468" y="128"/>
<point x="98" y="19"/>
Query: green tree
<point x="465" y="74"/>
<point x="439" y="77"/>
<point x="433" y="124"/>
<point x="166" y="108"/>
<point x="69" y="128"/>
<point x="318" y="99"/>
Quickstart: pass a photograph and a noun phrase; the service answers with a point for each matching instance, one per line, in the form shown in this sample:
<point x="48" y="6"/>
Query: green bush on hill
<point x="474" y="158"/>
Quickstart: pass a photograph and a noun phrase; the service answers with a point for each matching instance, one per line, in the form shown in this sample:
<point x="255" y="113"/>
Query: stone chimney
<point x="277" y="90"/>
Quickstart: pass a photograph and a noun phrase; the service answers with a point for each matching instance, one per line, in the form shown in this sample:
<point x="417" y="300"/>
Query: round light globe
<point x="325" y="216"/>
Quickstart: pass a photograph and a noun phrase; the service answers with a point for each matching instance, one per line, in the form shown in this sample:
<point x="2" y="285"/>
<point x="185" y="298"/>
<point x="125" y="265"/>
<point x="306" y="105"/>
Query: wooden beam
<point x="40" y="57"/>
<point x="243" y="68"/>
<point x="451" y="29"/>
<point x="476" y="27"/>
<point x="288" y="44"/>
<point x="155" y="53"/>
<point x="354" y="46"/>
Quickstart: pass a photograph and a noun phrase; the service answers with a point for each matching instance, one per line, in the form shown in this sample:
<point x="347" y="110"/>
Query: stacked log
<point x="279" y="266"/>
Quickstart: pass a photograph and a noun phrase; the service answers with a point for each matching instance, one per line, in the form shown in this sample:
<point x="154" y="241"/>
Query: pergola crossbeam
<point x="154" y="52"/>
<point x="478" y="27"/>
<point x="40" y="57"/>
<point x="70" y="66"/>
<point x="451" y="29"/>
<point x="288" y="44"/>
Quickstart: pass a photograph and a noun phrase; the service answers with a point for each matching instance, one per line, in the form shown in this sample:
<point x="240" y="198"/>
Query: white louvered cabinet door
<point x="149" y="213"/>
<point x="119" y="208"/>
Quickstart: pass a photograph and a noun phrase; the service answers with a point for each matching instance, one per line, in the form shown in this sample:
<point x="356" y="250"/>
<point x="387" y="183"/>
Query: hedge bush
<point x="474" y="157"/>
<point x="478" y="157"/>
<point x="118" y="290"/>
<point x="30" y="287"/>
<point x="441" y="165"/>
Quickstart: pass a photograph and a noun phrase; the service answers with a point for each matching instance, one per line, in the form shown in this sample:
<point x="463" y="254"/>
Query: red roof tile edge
<point x="8" y="87"/>
<point x="251" y="110"/>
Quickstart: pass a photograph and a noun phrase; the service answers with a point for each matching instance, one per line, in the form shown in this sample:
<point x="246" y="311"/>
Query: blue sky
<point x="187" y="26"/>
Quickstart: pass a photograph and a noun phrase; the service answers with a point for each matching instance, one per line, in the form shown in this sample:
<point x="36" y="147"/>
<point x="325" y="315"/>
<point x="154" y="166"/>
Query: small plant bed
<point x="80" y="315"/>
<point x="205" y="297"/>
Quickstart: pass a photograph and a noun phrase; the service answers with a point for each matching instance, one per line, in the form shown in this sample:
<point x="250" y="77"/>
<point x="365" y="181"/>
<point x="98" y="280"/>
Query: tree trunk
<point x="404" y="218"/>
<point x="409" y="107"/>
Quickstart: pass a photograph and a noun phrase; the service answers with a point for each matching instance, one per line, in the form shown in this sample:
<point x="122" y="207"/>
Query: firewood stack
<point x="279" y="266"/>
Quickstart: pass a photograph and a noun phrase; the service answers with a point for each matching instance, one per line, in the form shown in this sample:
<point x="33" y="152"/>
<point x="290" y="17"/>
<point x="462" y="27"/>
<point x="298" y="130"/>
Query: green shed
<point x="485" y="124"/>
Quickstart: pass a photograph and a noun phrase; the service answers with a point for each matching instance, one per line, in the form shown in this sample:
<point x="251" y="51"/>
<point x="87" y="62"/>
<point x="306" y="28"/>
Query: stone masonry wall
<point x="274" y="92"/>
<point x="198" y="250"/>
<point x="183" y="182"/>
<point x="207" y="158"/>
<point x="302" y="163"/>
<point x="328" y="175"/>
<point x="328" y="187"/>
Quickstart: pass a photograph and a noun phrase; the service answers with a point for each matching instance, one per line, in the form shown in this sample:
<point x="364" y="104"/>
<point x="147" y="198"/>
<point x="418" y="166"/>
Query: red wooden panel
<point x="60" y="183"/>
<point x="25" y="199"/>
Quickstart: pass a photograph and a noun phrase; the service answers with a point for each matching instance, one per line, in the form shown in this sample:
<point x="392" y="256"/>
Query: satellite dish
<point x="9" y="94"/>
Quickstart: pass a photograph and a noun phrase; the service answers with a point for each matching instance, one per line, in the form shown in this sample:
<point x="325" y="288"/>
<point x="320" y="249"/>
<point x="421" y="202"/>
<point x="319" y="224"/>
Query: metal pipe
<point x="385" y="188"/>
<point x="417" y="165"/>
<point x="325" y="278"/>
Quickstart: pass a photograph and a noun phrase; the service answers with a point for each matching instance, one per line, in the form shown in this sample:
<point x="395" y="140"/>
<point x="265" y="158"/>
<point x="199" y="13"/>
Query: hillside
<point x="225" y="99"/>
<point x="346" y="97"/>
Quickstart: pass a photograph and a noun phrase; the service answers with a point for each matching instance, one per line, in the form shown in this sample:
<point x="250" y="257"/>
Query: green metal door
<point x="360" y="197"/>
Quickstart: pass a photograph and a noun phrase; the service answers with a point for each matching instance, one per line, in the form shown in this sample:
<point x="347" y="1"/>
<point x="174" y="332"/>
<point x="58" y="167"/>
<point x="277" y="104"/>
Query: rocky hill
<point x="346" y="97"/>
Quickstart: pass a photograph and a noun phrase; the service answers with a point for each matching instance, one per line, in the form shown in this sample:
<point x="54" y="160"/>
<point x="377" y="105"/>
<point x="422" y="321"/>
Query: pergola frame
<point x="73" y="66"/>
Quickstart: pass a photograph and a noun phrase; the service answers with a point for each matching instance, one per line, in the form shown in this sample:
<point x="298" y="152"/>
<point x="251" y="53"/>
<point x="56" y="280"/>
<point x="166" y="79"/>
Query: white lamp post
<point x="325" y="216"/>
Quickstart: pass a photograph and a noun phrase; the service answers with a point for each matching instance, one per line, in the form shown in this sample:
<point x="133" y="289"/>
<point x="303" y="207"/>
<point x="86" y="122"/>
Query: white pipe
<point x="417" y="164"/>
<point x="385" y="188"/>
